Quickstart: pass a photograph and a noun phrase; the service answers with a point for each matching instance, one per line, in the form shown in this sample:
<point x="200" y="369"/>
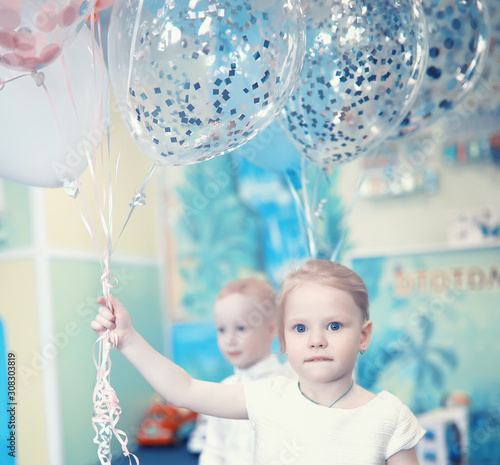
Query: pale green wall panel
<point x="16" y="221"/>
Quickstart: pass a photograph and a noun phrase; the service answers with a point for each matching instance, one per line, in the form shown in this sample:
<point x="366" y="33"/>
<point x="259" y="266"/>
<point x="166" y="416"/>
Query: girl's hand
<point x="115" y="319"/>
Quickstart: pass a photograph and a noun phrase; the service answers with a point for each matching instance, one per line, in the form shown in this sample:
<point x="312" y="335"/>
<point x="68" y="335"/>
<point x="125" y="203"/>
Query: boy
<point x="244" y="316"/>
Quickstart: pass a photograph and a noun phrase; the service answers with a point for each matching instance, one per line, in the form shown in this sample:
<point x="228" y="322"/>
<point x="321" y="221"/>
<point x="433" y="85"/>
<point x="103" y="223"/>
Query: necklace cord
<point x="331" y="405"/>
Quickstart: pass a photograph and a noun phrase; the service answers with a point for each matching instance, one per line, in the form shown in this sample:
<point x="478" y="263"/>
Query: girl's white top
<point x="231" y="442"/>
<point x="289" y="429"/>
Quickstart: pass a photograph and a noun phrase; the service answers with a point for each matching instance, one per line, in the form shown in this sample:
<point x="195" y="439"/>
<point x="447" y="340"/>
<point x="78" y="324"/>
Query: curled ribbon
<point x="106" y="409"/>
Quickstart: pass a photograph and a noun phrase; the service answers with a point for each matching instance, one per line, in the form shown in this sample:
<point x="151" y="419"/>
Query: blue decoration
<point x="273" y="151"/>
<point x="281" y="237"/>
<point x="216" y="235"/>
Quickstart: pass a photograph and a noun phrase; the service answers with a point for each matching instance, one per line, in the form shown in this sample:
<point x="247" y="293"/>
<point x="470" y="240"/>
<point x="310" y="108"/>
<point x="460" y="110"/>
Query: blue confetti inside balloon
<point x="458" y="36"/>
<point x="195" y="79"/>
<point x="363" y="66"/>
<point x="476" y="117"/>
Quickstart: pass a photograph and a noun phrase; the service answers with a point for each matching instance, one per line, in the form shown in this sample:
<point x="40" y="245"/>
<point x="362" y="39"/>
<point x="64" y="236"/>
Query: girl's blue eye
<point x="221" y="330"/>
<point x="334" y="326"/>
<point x="300" y="328"/>
<point x="241" y="329"/>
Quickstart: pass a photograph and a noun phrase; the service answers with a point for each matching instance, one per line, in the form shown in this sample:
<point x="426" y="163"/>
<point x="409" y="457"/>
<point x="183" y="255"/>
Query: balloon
<point x="458" y="45"/>
<point x="476" y="117"/>
<point x="491" y="71"/>
<point x="363" y="66"/>
<point x="197" y="79"/>
<point x="33" y="33"/>
<point x="272" y="150"/>
<point x="34" y="150"/>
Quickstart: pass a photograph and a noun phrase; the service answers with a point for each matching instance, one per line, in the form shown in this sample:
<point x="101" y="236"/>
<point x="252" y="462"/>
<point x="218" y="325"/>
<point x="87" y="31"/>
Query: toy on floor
<point x="164" y="424"/>
<point x="446" y="440"/>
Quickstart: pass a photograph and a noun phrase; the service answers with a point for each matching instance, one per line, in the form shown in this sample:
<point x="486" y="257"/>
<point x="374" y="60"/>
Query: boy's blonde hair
<point x="326" y="273"/>
<point x="259" y="290"/>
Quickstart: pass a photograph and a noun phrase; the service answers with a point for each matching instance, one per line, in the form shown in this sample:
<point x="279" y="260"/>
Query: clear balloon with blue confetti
<point x="458" y="32"/>
<point x="195" y="79"/>
<point x="363" y="67"/>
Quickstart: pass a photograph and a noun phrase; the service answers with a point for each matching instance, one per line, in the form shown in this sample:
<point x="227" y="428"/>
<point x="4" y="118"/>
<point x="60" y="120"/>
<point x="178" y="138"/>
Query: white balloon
<point x="45" y="135"/>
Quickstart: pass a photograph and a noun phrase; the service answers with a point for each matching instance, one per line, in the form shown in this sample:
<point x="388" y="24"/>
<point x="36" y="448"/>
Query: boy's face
<point x="244" y="334"/>
<point x="324" y="331"/>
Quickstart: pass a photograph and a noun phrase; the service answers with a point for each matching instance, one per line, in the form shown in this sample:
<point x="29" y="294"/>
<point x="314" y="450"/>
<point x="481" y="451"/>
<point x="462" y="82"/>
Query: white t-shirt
<point x="293" y="430"/>
<point x="231" y="442"/>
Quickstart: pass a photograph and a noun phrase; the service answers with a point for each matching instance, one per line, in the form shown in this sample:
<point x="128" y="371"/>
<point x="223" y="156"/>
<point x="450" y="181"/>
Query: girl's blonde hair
<point x="326" y="273"/>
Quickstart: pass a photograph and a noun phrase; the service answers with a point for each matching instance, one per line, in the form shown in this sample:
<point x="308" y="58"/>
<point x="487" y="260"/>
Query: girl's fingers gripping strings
<point x="104" y="320"/>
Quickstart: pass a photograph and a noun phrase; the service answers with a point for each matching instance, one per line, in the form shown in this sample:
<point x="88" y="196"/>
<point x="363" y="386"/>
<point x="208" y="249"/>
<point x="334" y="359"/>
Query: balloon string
<point x="106" y="409"/>
<point x="307" y="211"/>
<point x="132" y="47"/>
<point x="139" y="198"/>
<point x="317" y="181"/>
<point x="318" y="210"/>
<point x="98" y="118"/>
<point x="344" y="229"/>
<point x="335" y="253"/>
<point x="39" y="79"/>
<point x="68" y="85"/>
<point x="54" y="112"/>
<point x="3" y="82"/>
<point x="103" y="438"/>
<point x="302" y="214"/>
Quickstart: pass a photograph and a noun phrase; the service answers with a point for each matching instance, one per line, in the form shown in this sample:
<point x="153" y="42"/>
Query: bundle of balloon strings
<point x="106" y="409"/>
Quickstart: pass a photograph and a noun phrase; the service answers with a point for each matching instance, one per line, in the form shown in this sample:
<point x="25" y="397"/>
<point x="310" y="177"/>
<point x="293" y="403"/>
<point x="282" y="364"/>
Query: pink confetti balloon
<point x="52" y="120"/>
<point x="33" y="33"/>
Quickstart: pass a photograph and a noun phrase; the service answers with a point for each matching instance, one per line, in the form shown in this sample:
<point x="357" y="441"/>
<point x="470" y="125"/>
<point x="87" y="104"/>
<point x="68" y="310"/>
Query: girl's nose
<point x="317" y="339"/>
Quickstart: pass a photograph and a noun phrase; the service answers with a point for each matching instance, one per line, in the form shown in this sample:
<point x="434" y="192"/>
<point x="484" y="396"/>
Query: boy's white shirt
<point x="231" y="442"/>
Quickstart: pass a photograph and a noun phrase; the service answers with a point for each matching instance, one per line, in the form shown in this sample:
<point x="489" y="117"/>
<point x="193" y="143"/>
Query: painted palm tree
<point x="216" y="243"/>
<point x="417" y="355"/>
<point x="427" y="360"/>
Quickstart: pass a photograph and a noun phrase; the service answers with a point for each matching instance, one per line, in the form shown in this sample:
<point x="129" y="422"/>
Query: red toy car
<point x="165" y="424"/>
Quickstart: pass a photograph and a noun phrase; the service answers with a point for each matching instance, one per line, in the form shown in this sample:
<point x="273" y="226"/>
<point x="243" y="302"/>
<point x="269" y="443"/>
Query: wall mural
<point x="211" y="236"/>
<point x="435" y="338"/>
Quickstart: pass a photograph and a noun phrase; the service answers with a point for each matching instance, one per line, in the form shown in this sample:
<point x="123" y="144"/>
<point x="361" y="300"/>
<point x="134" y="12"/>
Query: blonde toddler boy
<point x="244" y="316"/>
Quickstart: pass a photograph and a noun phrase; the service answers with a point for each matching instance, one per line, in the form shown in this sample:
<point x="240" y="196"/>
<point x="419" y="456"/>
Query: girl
<point x="324" y="418"/>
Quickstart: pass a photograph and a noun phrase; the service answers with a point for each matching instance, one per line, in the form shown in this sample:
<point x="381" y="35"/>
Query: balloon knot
<point x="139" y="200"/>
<point x="71" y="188"/>
<point x="38" y="77"/>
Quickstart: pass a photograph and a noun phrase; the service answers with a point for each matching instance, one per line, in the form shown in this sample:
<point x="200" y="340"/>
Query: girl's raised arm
<point x="173" y="383"/>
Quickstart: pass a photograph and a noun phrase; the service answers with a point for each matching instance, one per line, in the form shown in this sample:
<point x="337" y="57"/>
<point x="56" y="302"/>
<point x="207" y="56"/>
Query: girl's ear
<point x="366" y="334"/>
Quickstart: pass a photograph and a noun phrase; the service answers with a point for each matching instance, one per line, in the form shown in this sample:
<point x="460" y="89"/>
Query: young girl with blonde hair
<point x="324" y="417"/>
